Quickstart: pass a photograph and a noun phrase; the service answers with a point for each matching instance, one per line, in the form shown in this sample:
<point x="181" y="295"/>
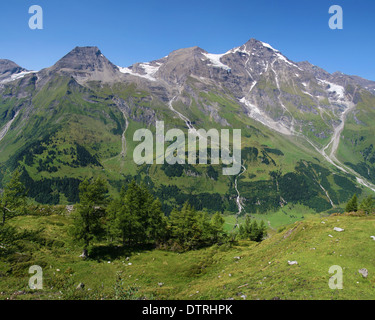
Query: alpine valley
<point x="307" y="135"/>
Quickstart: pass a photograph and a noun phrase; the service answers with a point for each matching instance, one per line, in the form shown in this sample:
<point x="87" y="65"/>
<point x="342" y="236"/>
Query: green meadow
<point x="243" y="270"/>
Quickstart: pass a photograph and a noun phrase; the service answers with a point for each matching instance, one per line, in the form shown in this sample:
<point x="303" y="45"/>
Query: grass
<point x="261" y="272"/>
<point x="286" y="215"/>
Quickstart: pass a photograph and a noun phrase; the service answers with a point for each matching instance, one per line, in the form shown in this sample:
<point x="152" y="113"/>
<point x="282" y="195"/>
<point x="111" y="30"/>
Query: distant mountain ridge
<point x="77" y="117"/>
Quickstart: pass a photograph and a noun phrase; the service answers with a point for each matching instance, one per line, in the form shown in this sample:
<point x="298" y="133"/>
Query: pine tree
<point x="245" y="229"/>
<point x="206" y="229"/>
<point x="192" y="229"/>
<point x="128" y="219"/>
<point x="352" y="205"/>
<point x="136" y="217"/>
<point x="186" y="227"/>
<point x="13" y="198"/>
<point x="157" y="223"/>
<point x="367" y="205"/>
<point x="89" y="215"/>
<point x="217" y="223"/>
<point x="148" y="218"/>
<point x="251" y="230"/>
<point x="261" y="232"/>
<point x="111" y="227"/>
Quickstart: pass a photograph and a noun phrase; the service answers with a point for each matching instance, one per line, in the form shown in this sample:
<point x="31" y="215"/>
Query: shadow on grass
<point x="112" y="252"/>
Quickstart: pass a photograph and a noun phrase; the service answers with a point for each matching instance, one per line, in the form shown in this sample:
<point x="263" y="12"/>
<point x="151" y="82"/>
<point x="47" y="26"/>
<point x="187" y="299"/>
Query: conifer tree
<point x="136" y="217"/>
<point x="128" y="219"/>
<point x="89" y="214"/>
<point x="13" y="198"/>
<point x="251" y="230"/>
<point x="157" y="223"/>
<point x="352" y="205"/>
<point x="185" y="227"/>
<point x="367" y="205"/>
<point x="217" y="223"/>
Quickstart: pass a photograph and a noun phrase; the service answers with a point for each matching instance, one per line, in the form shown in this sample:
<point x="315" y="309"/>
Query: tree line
<point x="136" y="218"/>
<point x="132" y="219"/>
<point x="366" y="206"/>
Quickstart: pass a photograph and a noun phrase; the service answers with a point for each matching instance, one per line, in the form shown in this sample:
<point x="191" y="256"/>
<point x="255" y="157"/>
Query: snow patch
<point x="215" y="60"/>
<point x="148" y="68"/>
<point x="335" y="88"/>
<point x="305" y="92"/>
<point x="282" y="58"/>
<point x="129" y="71"/>
<point x="17" y="76"/>
<point x="234" y="50"/>
<point x="269" y="46"/>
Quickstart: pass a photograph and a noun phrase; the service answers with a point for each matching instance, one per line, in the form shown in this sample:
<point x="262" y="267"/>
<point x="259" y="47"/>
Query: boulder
<point x="363" y="272"/>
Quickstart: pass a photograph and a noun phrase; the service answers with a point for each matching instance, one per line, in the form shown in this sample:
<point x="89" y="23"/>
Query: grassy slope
<point x="88" y="116"/>
<point x="357" y="137"/>
<point x="212" y="273"/>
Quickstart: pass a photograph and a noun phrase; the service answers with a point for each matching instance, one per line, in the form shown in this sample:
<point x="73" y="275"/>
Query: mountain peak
<point x="86" y="51"/>
<point x="186" y="51"/>
<point x="82" y="58"/>
<point x="10" y="71"/>
<point x="257" y="44"/>
<point x="86" y="63"/>
<point x="8" y="66"/>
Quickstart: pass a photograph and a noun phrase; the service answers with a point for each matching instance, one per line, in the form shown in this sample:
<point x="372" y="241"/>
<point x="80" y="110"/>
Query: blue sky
<point x="144" y="30"/>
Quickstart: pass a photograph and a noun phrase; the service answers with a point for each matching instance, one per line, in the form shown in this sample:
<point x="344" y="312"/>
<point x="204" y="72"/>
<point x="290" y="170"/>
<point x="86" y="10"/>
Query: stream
<point x="194" y="130"/>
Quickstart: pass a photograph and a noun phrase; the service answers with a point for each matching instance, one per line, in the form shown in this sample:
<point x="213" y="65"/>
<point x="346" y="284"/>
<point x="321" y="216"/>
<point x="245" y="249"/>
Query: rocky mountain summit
<point x="84" y="64"/>
<point x="10" y="71"/>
